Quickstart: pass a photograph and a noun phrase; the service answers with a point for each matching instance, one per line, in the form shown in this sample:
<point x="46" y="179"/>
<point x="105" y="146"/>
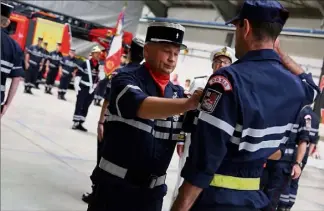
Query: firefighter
<point x="53" y="67"/>
<point x="144" y="124"/>
<point x="69" y="68"/>
<point x="84" y="84"/>
<point x="135" y="56"/>
<point x="221" y="57"/>
<point x="11" y="60"/>
<point x="307" y="132"/>
<point x="43" y="71"/>
<point x="34" y="61"/>
<point x="247" y="110"/>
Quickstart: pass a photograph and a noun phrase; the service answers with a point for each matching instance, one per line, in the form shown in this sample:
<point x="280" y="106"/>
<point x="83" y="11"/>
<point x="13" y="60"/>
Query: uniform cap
<point x="165" y="32"/>
<point x="40" y="38"/>
<point x="95" y="49"/>
<point x="262" y="10"/>
<point x="224" y="51"/>
<point x="137" y="47"/>
<point x="6" y="9"/>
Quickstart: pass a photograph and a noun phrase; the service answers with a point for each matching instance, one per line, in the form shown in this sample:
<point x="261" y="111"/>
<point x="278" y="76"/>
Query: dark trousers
<point x="289" y="195"/>
<point x="64" y="84"/>
<point x="101" y="89"/>
<point x="40" y="76"/>
<point x="115" y="194"/>
<point x="31" y="76"/>
<point x="84" y="100"/>
<point x="278" y="174"/>
<point x="51" y="76"/>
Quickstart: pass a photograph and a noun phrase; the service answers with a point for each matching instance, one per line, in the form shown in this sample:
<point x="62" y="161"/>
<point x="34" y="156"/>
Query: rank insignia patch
<point x="218" y="79"/>
<point x="210" y="100"/>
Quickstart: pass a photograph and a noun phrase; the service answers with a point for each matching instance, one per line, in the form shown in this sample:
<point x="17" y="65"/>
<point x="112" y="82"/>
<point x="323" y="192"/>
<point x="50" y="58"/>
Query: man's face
<point x="96" y="55"/>
<point x="58" y="47"/>
<point x="45" y="46"/>
<point x="72" y="54"/>
<point x="162" y="57"/>
<point x="220" y="61"/>
<point x="187" y="84"/>
<point x="39" y="42"/>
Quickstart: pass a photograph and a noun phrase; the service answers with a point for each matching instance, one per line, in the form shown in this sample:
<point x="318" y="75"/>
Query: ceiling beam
<point x="308" y="13"/>
<point x="157" y="8"/>
<point x="225" y="8"/>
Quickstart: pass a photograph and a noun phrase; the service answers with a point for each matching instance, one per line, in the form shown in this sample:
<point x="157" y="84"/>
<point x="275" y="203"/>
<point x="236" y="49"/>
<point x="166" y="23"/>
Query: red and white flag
<point x="112" y="61"/>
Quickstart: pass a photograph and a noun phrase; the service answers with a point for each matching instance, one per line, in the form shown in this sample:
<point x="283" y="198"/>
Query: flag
<point x="112" y="61"/>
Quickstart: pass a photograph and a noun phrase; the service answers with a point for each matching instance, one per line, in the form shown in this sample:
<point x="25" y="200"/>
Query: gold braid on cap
<point x="223" y="52"/>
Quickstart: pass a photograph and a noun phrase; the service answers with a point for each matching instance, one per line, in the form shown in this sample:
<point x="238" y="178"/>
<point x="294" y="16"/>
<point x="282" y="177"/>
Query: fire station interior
<point x="45" y="165"/>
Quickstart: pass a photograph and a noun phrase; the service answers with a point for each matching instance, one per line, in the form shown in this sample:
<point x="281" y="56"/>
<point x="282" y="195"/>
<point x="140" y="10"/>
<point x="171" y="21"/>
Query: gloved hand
<point x="77" y="84"/>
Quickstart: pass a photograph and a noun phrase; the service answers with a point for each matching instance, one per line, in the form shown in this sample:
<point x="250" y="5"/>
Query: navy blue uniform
<point x="138" y="151"/>
<point x="307" y="131"/>
<point x="43" y="71"/>
<point x="11" y="61"/>
<point x="240" y="130"/>
<point x="68" y="67"/>
<point x="100" y="90"/>
<point x="54" y="59"/>
<point x="85" y="96"/>
<point x="36" y="56"/>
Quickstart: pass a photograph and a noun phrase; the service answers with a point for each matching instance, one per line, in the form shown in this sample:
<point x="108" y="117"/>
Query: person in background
<point x="135" y="56"/>
<point x="11" y="61"/>
<point x="297" y="157"/>
<point x="34" y="61"/>
<point x="101" y="88"/>
<point x="43" y="71"/>
<point x="69" y="68"/>
<point x="53" y="68"/>
<point x="85" y="83"/>
<point x="174" y="79"/>
<point x="187" y="86"/>
<point x="220" y="57"/>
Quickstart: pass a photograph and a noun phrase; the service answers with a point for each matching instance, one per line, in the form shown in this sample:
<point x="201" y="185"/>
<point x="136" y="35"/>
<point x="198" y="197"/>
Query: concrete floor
<point x="45" y="165"/>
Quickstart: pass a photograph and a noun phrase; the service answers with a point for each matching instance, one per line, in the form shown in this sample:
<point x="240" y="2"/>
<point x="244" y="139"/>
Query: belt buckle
<point x="153" y="180"/>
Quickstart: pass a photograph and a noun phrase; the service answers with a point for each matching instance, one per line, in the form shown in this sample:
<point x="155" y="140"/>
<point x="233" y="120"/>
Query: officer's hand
<point x="296" y="171"/>
<point x="180" y="149"/>
<point x="193" y="101"/>
<point x="100" y="131"/>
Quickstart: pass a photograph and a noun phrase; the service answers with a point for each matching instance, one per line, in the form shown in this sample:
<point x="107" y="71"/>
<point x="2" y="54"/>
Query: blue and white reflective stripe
<point x="78" y="118"/>
<point x="308" y="129"/>
<point x="17" y="67"/>
<point x="314" y="90"/>
<point x="142" y="126"/>
<point x="254" y="133"/>
<point x="32" y="62"/>
<point x="5" y="70"/>
<point x="284" y="198"/>
<point x="235" y="139"/>
<point x="122" y="93"/>
<point x="229" y="129"/>
<point x="167" y="124"/>
<point x="52" y="65"/>
<point x="258" y="133"/>
<point x="65" y="71"/>
<point x="2" y="88"/>
<point x="5" y="63"/>
<point x="121" y="172"/>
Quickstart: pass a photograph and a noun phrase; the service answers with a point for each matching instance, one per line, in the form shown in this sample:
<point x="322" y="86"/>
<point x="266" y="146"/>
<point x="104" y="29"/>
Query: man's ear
<point x="246" y="28"/>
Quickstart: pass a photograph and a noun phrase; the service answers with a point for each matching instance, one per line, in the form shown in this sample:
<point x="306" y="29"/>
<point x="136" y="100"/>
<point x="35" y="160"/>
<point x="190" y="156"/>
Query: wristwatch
<point x="299" y="164"/>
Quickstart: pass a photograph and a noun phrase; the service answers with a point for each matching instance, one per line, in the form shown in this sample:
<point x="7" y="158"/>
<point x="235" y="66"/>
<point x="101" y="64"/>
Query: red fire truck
<point x="28" y="22"/>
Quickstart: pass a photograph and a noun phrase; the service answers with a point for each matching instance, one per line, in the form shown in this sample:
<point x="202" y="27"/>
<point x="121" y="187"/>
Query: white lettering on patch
<point x="210" y="100"/>
<point x="218" y="79"/>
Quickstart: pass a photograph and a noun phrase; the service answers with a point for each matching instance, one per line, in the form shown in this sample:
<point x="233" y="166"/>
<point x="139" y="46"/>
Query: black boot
<point x="50" y="91"/>
<point x="63" y="97"/>
<point x="29" y="90"/>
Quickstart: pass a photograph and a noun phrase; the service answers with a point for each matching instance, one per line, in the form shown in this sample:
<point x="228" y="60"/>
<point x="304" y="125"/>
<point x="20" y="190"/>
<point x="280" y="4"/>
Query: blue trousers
<point x="288" y="196"/>
<point x="223" y="207"/>
<point x="115" y="194"/>
<point x="278" y="174"/>
<point x="84" y="99"/>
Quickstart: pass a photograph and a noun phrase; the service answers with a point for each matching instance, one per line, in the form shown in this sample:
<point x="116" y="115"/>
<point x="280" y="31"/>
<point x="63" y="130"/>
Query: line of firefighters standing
<point x="39" y="62"/>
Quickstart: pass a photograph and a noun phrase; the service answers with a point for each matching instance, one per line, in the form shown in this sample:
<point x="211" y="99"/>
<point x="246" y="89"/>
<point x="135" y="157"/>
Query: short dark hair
<point x="264" y="30"/>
